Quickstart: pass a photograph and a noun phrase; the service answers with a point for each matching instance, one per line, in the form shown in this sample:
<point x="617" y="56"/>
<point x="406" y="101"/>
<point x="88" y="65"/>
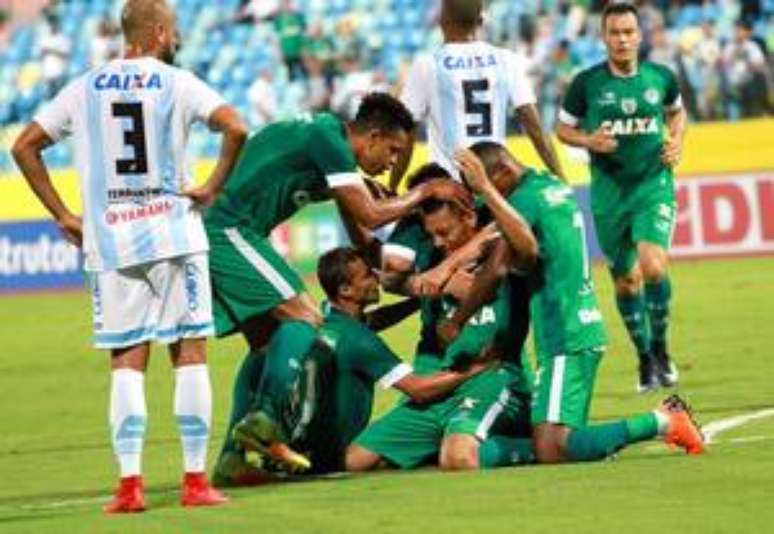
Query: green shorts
<point x="626" y="216"/>
<point x="564" y="386"/>
<point x="410" y="435"/>
<point x="249" y="277"/>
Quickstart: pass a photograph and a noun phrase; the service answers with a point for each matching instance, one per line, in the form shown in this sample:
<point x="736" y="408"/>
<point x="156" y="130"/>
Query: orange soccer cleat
<point x="129" y="497"/>
<point x="683" y="431"/>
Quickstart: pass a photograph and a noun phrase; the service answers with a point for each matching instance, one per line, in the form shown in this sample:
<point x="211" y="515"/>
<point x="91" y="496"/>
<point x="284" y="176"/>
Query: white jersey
<point x="130" y="120"/>
<point x="465" y="91"/>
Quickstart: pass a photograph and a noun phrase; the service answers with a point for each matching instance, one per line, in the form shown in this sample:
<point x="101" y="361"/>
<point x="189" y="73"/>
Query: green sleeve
<point x="406" y="240"/>
<point x="574" y="105"/>
<point x="331" y="155"/>
<point x="671" y="90"/>
<point x="525" y="204"/>
<point x="372" y="357"/>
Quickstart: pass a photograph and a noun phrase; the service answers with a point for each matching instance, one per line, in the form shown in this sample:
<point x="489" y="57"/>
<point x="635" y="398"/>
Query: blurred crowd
<point x="276" y="58"/>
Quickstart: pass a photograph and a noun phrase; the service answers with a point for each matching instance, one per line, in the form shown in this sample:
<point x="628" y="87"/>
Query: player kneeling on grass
<point x="450" y="431"/>
<point x="568" y="330"/>
<point x="330" y="400"/>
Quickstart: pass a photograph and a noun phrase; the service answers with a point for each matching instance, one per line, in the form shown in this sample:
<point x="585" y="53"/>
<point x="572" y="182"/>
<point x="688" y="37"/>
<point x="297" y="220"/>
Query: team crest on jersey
<point x="629" y="106"/>
<point x="651" y="96"/>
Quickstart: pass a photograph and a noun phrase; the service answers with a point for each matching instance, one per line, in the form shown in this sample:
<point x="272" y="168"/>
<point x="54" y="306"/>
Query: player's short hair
<point x="427" y="172"/>
<point x="490" y="153"/>
<point x="383" y="112"/>
<point x="333" y="269"/>
<point x="466" y="14"/>
<point x="619" y="8"/>
<point x="138" y="15"/>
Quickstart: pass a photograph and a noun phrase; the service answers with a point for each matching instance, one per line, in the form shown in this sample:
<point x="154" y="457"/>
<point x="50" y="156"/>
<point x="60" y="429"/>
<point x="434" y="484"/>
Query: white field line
<point x="710" y="430"/>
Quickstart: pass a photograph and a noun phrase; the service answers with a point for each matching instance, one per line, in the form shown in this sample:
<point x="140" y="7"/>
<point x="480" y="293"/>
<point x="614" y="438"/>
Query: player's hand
<point x="671" y="153"/>
<point x="473" y="169"/>
<point x="72" y="228"/>
<point x="459" y="284"/>
<point x="447" y="331"/>
<point x="602" y="142"/>
<point x="449" y="191"/>
<point x="203" y="195"/>
<point x="432" y="282"/>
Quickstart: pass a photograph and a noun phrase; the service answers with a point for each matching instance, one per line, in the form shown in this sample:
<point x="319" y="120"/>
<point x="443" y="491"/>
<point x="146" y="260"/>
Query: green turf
<point x="57" y="466"/>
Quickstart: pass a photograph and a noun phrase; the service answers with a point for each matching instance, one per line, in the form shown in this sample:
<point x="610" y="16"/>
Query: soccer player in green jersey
<point x="331" y="400"/>
<point x="630" y="117"/>
<point x="282" y="168"/>
<point x="569" y="335"/>
<point x="450" y="431"/>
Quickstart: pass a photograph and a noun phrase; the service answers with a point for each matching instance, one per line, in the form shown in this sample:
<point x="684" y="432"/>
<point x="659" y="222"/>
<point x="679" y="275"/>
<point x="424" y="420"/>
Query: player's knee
<point x="628" y="284"/>
<point x="459" y="453"/>
<point x="653" y="262"/>
<point x="549" y="442"/>
<point x="357" y="459"/>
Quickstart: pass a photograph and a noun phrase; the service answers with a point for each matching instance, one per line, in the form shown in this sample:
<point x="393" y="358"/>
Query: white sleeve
<point x="56" y="117"/>
<point x="198" y="98"/>
<point x="398" y="373"/>
<point x="415" y="95"/>
<point x="520" y="88"/>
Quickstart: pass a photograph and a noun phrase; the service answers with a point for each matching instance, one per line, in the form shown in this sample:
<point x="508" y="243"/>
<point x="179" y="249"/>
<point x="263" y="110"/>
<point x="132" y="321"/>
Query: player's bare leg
<point x="193" y="410"/>
<point x="633" y="309"/>
<point x="459" y="452"/>
<point x="128" y="419"/>
<point x="359" y="459"/>
<point x="658" y="292"/>
<point x="550" y="442"/>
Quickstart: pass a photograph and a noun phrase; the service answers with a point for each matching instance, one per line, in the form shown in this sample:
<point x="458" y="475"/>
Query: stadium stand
<point x="720" y="50"/>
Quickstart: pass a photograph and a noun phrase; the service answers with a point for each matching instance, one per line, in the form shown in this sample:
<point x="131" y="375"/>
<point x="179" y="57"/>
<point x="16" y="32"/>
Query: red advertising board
<point x="722" y="216"/>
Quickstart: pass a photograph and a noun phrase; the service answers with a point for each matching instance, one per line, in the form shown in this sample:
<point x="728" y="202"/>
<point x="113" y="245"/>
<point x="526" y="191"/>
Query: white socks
<point x="128" y="417"/>
<point x="193" y="409"/>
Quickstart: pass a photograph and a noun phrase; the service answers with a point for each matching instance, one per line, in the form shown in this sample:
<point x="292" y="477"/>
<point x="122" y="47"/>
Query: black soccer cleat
<point x="666" y="371"/>
<point x="648" y="381"/>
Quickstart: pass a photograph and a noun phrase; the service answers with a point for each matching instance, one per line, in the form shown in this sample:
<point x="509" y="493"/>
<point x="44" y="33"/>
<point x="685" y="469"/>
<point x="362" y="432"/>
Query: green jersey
<point x="565" y="315"/>
<point x="282" y="168"/>
<point x="632" y="109"/>
<point x="290" y="28"/>
<point x="345" y="367"/>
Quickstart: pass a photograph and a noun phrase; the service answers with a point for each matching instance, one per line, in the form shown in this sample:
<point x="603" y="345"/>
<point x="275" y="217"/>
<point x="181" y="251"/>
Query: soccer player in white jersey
<point x="144" y="243"/>
<point x="465" y="90"/>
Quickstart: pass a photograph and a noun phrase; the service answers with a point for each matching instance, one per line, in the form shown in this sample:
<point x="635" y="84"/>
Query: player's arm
<point x="423" y="389"/>
<point x="483" y="290"/>
<point x="512" y="225"/>
<point x="27" y="152"/>
<point x="530" y="120"/>
<point x="372" y="213"/>
<point x="569" y="129"/>
<point x="676" y="120"/>
<point x="226" y="120"/>
<point x="388" y="316"/>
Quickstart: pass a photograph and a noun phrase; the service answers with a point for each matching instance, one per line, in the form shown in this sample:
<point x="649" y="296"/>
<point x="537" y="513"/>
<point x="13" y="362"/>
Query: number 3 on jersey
<point x="474" y="106"/>
<point x="134" y="138"/>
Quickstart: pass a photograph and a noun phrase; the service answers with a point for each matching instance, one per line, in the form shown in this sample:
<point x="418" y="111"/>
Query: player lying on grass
<point x="568" y="329"/>
<point x="282" y="168"/>
<point x="329" y="402"/>
<point x="449" y="431"/>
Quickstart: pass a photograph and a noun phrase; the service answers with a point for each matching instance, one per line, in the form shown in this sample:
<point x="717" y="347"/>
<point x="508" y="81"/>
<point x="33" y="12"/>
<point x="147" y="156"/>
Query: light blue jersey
<point x="130" y="120"/>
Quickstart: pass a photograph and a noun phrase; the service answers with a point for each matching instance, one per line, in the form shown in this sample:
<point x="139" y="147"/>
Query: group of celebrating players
<point x="483" y="248"/>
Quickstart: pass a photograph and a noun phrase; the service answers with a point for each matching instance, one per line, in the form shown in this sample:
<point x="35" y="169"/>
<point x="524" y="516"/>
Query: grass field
<point x="57" y="467"/>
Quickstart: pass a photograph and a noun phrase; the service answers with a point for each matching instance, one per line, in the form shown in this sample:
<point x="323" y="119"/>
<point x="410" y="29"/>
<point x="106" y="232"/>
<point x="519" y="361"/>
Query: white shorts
<point x="166" y="300"/>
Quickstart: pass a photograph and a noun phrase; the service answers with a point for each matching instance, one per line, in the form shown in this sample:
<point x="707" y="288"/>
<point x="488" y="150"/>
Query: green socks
<point x="658" y="295"/>
<point x="246" y="382"/>
<point x="634" y="313"/>
<point x="285" y="356"/>
<point x="502" y="451"/>
<point x="597" y="442"/>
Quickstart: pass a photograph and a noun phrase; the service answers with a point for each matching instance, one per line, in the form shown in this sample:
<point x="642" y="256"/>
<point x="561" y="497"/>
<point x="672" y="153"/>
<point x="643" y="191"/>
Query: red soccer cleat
<point x="198" y="492"/>
<point x="683" y="431"/>
<point x="129" y="497"/>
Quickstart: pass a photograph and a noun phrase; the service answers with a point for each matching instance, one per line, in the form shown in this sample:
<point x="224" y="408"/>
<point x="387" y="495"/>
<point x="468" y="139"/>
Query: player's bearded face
<point x="363" y="283"/>
<point x="450" y="228"/>
<point x="622" y="38"/>
<point x="382" y="151"/>
<point x="169" y="39"/>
